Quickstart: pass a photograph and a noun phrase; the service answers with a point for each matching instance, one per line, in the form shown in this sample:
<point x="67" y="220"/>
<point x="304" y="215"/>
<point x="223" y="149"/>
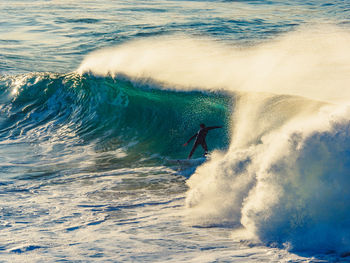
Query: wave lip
<point x="311" y="62"/>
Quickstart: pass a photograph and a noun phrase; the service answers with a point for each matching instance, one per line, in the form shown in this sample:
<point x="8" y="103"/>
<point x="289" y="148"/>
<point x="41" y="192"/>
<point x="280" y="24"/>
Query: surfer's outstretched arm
<point x="190" y="139"/>
<point x="213" y="127"/>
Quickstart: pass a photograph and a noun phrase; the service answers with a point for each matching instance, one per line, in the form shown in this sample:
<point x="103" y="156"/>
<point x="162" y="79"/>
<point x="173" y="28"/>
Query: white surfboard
<point x="187" y="162"/>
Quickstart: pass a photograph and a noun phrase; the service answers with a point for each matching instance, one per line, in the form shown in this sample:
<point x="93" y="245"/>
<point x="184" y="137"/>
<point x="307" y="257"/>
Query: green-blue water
<point x="144" y="124"/>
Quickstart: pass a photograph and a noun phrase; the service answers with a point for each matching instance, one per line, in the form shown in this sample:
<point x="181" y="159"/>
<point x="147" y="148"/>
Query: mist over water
<point x="310" y="62"/>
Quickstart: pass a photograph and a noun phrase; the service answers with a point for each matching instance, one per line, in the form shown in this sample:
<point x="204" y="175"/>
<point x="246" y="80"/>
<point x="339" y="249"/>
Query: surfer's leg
<point x="205" y="147"/>
<point x="192" y="151"/>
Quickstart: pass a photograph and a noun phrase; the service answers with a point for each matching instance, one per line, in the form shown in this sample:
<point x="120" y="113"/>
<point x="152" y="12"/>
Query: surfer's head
<point x="202" y="125"/>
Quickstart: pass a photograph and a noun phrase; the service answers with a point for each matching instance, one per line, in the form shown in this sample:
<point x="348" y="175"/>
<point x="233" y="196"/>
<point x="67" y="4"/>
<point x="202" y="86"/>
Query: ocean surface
<point x="97" y="99"/>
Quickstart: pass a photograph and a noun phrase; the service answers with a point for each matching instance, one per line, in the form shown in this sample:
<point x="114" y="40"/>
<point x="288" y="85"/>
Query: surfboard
<point x="187" y="162"/>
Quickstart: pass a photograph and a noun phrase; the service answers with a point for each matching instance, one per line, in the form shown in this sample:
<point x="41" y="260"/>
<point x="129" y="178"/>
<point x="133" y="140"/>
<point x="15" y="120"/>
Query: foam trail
<point x="310" y="62"/>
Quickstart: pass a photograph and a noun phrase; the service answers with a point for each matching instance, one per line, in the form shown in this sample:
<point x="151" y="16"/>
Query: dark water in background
<point x="84" y="173"/>
<point x="55" y="36"/>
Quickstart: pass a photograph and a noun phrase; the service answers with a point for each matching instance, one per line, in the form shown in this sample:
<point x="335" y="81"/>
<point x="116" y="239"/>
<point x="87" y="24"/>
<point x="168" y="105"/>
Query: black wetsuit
<point x="200" y="139"/>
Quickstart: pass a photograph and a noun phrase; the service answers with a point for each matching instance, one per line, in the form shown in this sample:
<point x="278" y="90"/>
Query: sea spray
<point x="312" y="62"/>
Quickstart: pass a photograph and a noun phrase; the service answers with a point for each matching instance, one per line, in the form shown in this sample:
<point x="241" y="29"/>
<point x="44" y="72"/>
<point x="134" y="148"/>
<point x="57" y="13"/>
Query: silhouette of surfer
<point x="200" y="139"/>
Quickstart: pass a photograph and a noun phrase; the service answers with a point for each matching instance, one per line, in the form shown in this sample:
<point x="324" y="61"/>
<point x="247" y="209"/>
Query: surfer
<point x="200" y="139"/>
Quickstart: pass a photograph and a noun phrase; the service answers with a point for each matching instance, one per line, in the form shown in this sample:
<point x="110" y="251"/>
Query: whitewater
<point x="94" y="104"/>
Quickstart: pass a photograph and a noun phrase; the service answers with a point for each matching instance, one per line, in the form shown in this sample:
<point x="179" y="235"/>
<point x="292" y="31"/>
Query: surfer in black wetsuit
<point x="200" y="139"/>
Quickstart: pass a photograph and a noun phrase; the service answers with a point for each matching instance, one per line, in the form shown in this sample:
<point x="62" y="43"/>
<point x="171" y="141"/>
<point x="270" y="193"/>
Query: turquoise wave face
<point x="107" y="115"/>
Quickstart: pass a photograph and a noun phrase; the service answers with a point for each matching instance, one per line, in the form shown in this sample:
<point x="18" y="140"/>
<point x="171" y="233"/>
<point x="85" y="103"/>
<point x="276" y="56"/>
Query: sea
<point x="97" y="98"/>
